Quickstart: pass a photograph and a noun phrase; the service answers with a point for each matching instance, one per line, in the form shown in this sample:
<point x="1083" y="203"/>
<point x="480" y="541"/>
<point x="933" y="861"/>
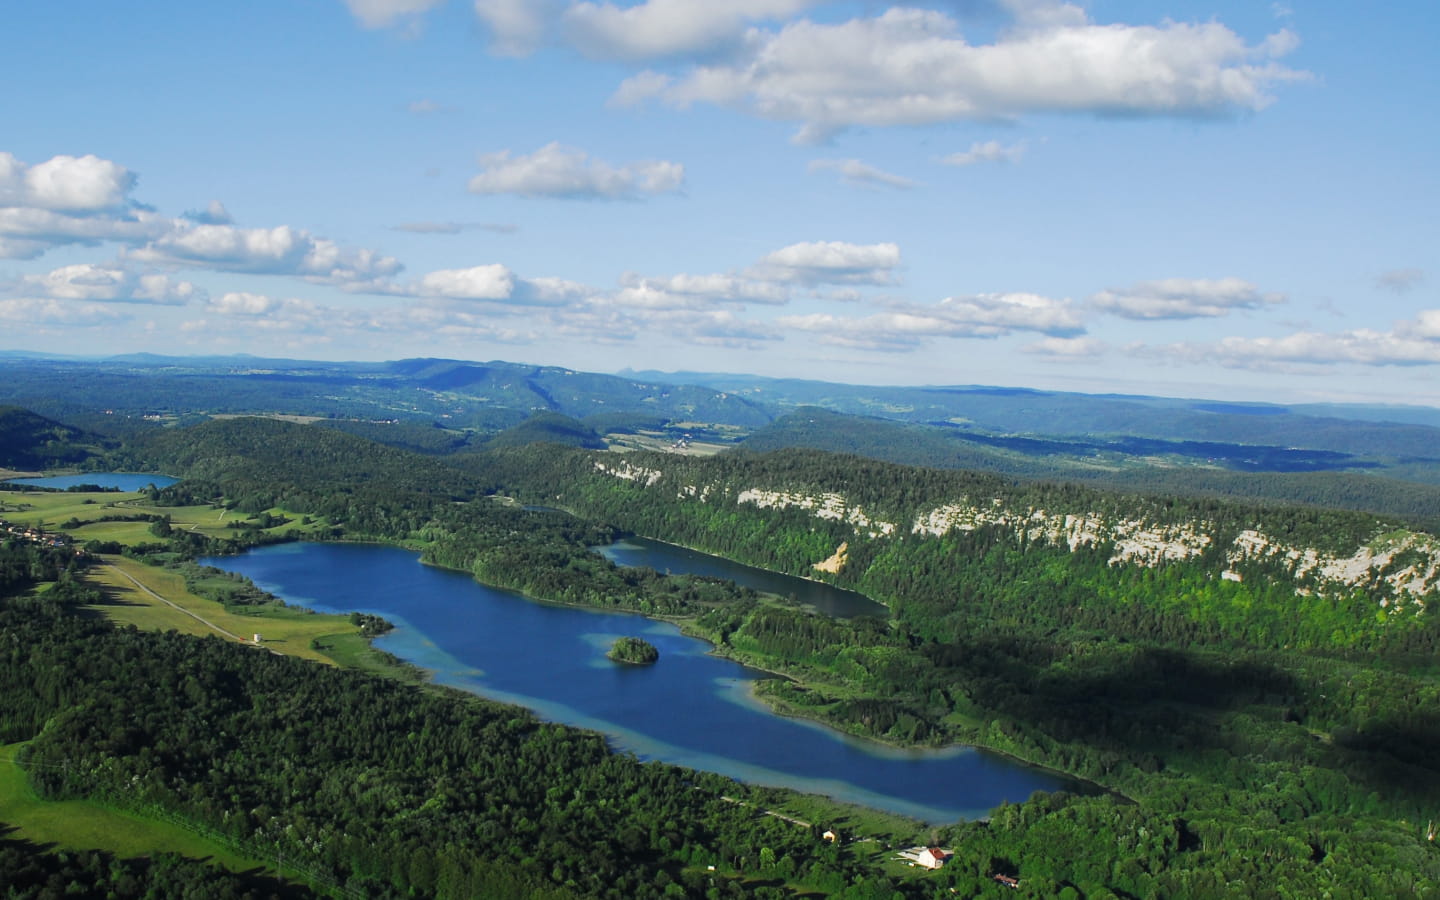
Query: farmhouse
<point x="933" y="857"/>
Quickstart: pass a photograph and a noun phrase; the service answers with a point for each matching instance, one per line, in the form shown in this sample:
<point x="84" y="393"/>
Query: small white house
<point x="933" y="857"/>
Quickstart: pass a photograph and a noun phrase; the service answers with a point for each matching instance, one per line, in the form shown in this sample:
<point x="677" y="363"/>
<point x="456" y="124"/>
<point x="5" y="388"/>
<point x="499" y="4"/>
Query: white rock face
<point x="821" y="506"/>
<point x="1363" y="566"/>
<point x="630" y="473"/>
<point x="1134" y="541"/>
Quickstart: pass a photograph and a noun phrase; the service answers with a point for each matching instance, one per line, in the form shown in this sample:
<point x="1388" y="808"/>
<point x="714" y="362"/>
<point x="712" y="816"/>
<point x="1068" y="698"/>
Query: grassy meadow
<point x="85" y="825"/>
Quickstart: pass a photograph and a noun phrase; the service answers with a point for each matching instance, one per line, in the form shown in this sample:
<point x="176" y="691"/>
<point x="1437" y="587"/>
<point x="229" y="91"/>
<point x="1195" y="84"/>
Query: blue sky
<point x="1214" y="199"/>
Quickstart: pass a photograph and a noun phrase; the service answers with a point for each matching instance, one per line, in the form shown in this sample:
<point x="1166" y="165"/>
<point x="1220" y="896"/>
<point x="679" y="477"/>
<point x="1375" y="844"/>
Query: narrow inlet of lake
<point x="690" y="708"/>
<point x="672" y="559"/>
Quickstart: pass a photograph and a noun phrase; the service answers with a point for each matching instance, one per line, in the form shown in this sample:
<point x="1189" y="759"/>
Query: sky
<point x="1200" y="198"/>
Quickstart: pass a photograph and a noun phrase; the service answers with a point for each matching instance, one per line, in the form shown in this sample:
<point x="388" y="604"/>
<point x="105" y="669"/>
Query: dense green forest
<point x="29" y="441"/>
<point x="1268" y="736"/>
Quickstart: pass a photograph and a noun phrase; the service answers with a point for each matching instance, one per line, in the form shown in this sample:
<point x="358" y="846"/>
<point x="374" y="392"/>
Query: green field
<point x="85" y="825"/>
<point x="53" y="509"/>
<point x="286" y="631"/>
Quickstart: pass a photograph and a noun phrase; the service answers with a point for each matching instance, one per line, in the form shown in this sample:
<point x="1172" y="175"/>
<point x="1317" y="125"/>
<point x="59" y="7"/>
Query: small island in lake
<point x="633" y="650"/>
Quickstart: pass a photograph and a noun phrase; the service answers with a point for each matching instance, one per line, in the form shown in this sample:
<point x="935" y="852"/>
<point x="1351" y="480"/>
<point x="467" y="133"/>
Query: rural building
<point x="933" y="857"/>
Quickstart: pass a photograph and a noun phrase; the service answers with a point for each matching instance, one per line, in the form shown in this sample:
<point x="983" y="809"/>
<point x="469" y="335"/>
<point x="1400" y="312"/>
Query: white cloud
<point x="69" y="184"/>
<point x="240" y="303"/>
<point x="30" y="312"/>
<point x="29" y="232"/>
<point x="667" y="28"/>
<point x="988" y="151"/>
<point x="273" y="251"/>
<point x="558" y="171"/>
<point x="490" y="282"/>
<point x="1363" y="346"/>
<point x="87" y="281"/>
<point x="548" y="291"/>
<point x="912" y="66"/>
<point x="383" y="13"/>
<point x="853" y="171"/>
<point x="696" y="291"/>
<point x="1183" y="298"/>
<point x="1414" y="342"/>
<point x="991" y="315"/>
<point x="517" y="27"/>
<point x="1067" y="348"/>
<point x="830" y="262"/>
<point x="68" y="200"/>
<point x="907" y="327"/>
<point x="213" y="214"/>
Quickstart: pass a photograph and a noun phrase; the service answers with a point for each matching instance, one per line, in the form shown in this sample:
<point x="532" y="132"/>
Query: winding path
<point x="201" y="619"/>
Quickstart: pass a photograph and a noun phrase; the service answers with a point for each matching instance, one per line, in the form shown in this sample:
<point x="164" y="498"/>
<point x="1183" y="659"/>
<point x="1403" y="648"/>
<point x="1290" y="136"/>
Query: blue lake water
<point x="690" y="708"/>
<point x="662" y="557"/>
<point x="123" y="481"/>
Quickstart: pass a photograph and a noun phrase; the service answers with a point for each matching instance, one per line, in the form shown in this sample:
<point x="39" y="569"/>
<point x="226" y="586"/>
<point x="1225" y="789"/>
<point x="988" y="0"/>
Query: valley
<point x="1250" y="682"/>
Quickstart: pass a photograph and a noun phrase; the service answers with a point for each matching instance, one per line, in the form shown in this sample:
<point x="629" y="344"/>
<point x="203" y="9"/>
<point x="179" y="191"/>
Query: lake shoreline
<point x="686" y="626"/>
<point x="773" y="705"/>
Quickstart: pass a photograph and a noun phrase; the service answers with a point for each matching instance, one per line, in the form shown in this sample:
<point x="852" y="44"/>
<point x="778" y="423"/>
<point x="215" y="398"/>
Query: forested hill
<point x="1269" y="574"/>
<point x="30" y="441"/>
<point x="1280" y="474"/>
<point x="1359" y="430"/>
<point x="257" y="452"/>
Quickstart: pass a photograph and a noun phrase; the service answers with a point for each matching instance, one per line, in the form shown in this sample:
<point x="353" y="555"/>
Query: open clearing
<point x="83" y="825"/>
<point x="124" y="580"/>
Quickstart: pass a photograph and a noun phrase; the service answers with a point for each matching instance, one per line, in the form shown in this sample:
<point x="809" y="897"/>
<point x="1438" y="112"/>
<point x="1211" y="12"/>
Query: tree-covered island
<point x="634" y="651"/>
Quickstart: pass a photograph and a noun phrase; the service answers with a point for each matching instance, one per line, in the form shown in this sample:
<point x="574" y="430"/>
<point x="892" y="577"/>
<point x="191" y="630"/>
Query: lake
<point x="690" y="708"/>
<point x="122" y="481"/>
<point x="669" y="558"/>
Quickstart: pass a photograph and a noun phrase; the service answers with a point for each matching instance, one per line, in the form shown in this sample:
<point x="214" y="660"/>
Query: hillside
<point x="1267" y="575"/>
<point x="33" y="442"/>
<point x="1280" y="474"/>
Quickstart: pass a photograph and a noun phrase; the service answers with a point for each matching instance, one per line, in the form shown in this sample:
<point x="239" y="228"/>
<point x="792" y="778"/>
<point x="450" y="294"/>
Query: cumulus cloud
<point x="489" y="282"/>
<point x="830" y="262"/>
<point x="1412" y="342"/>
<point x="29" y="232"/>
<point x="668" y="28"/>
<point x="1401" y="281"/>
<point x="383" y="13"/>
<point x="213" y="214"/>
<point x="87" y="281"/>
<point x="912" y="66"/>
<point x="906" y="327"/>
<point x="558" y="171"/>
<point x="855" y="172"/>
<point x="282" y="250"/>
<point x="696" y="291"/>
<point x="1363" y="347"/>
<point x="68" y="184"/>
<point x="988" y="151"/>
<point x="1183" y="298"/>
<point x="31" y="312"/>
<point x="492" y="283"/>
<point x="69" y="200"/>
